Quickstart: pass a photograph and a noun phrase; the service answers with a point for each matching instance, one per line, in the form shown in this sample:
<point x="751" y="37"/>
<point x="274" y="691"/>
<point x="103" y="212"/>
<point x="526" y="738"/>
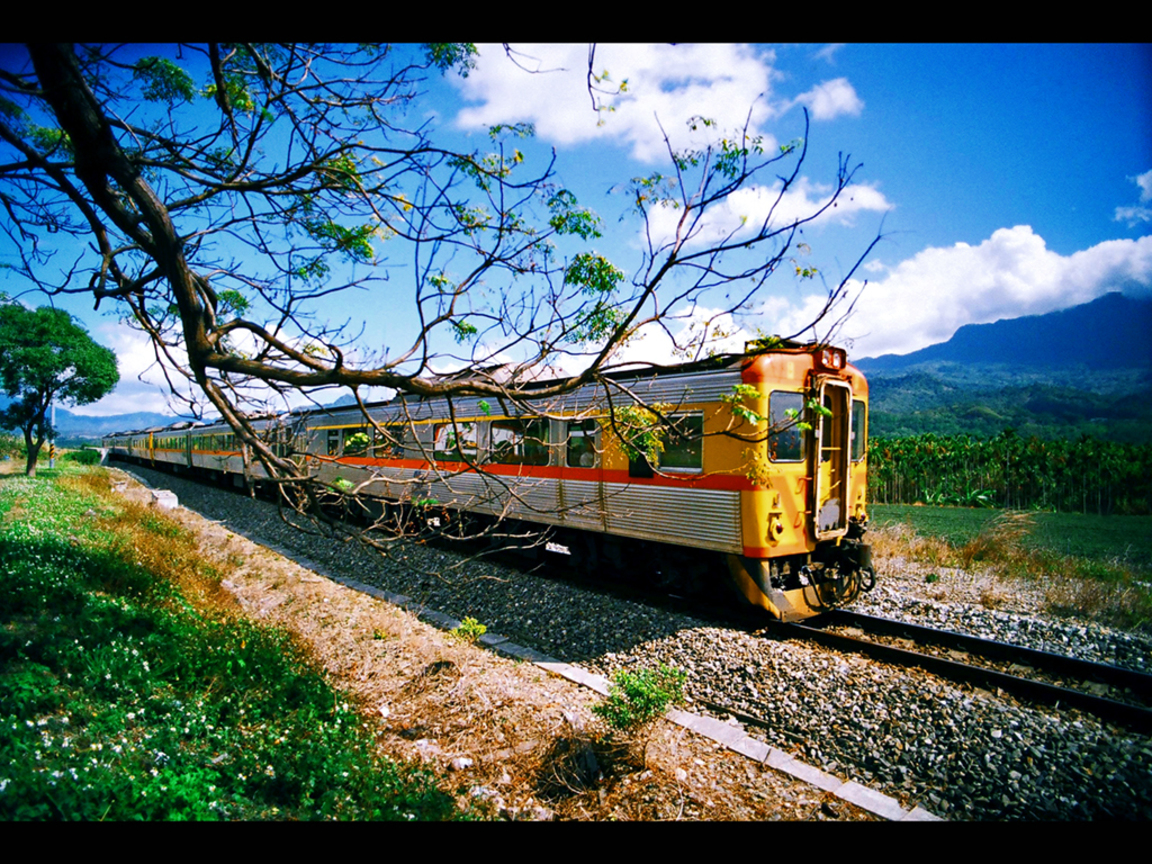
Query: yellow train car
<point x="748" y="466"/>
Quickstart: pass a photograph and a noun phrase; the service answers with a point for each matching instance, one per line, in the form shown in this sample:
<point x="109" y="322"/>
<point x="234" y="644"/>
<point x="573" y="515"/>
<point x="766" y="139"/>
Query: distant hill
<point x="77" y="428"/>
<point x="1111" y="332"/>
<point x="1084" y="370"/>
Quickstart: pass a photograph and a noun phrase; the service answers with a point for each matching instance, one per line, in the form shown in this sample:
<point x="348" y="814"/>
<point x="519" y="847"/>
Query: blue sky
<point x="1006" y="180"/>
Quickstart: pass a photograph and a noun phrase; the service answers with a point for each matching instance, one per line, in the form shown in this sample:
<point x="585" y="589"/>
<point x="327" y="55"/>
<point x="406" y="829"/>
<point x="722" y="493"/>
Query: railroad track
<point x="1023" y="672"/>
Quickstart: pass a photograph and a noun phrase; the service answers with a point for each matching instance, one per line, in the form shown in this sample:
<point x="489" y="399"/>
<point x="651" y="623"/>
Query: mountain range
<point x="1083" y="370"/>
<point x="1112" y="332"/>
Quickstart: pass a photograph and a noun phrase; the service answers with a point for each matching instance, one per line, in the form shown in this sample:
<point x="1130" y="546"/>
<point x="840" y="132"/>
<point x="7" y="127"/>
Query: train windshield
<point x="785" y="409"/>
<point x="859" y="430"/>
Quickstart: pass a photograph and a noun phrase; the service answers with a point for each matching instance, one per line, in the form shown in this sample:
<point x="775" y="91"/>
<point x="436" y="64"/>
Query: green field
<point x="1127" y="539"/>
<point x="130" y="691"/>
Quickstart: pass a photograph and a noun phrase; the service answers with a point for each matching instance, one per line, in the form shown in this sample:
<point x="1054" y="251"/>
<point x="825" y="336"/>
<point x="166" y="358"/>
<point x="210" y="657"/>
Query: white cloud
<point x="1144" y="181"/>
<point x="1135" y="215"/>
<point x="831" y="99"/>
<point x="668" y="82"/>
<point x="925" y="299"/>
<point x="681" y="337"/>
<point x="142" y="386"/>
<point x="746" y="209"/>
<point x="828" y="52"/>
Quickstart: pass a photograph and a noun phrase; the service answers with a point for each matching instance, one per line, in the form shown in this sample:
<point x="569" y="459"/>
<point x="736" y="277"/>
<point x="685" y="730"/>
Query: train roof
<point x="660" y="380"/>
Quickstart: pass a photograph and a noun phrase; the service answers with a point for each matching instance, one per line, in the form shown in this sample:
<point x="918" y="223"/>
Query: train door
<point x="833" y="466"/>
<point x="581" y="474"/>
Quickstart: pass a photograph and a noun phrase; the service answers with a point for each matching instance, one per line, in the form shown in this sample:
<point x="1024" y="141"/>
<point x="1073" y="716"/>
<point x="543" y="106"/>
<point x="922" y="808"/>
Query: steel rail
<point x="1140" y="683"/>
<point x="1132" y="716"/>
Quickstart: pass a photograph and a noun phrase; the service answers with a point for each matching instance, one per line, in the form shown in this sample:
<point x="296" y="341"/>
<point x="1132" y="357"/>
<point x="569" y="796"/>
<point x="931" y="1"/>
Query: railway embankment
<point x="955" y="750"/>
<point x="501" y="736"/>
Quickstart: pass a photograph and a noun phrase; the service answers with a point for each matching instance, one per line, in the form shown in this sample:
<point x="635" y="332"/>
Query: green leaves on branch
<point x="47" y="139"/>
<point x="163" y="81"/>
<point x="314" y="270"/>
<point x="640" y="431"/>
<point x="730" y="160"/>
<point x="728" y="155"/>
<point x="334" y="237"/>
<point x="594" y="324"/>
<point x="815" y="407"/>
<point x="341" y="172"/>
<point x="356" y="444"/>
<point x="654" y="189"/>
<point x="597" y="277"/>
<point x="231" y="301"/>
<point x="482" y="169"/>
<point x="463" y="330"/>
<point x="519" y="130"/>
<point x="568" y="219"/>
<point x="593" y="274"/>
<point x="460" y="56"/>
<point x="472" y="219"/>
<point x="735" y="401"/>
<point x="237" y="91"/>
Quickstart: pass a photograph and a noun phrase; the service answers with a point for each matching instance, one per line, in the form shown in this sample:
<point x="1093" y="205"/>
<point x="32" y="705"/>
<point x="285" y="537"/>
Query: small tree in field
<point x="45" y="355"/>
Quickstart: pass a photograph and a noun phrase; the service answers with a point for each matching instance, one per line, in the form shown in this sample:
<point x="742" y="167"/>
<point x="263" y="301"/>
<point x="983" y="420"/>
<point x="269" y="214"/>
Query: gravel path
<point x="960" y="752"/>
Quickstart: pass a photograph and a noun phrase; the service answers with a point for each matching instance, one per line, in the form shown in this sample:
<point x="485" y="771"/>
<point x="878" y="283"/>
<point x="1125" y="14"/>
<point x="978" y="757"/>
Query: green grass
<point x="1083" y="535"/>
<point x="1098" y="567"/>
<point x="957" y="525"/>
<point x="129" y="691"/>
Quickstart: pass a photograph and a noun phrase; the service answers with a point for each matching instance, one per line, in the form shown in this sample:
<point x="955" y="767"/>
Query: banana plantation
<point x="1088" y="475"/>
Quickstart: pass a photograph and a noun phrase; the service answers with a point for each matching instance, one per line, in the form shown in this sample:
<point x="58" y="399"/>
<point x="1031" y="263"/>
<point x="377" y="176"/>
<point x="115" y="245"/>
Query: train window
<point x="859" y="430"/>
<point x="386" y="443"/>
<point x="520" y="442"/>
<point x="582" y="444"/>
<point x="357" y="441"/>
<point x="684" y="444"/>
<point x="786" y="445"/>
<point x="455" y="442"/>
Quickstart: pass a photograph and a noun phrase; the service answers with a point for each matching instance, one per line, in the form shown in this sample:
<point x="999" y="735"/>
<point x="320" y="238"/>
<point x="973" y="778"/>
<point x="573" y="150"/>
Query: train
<point x="745" y="469"/>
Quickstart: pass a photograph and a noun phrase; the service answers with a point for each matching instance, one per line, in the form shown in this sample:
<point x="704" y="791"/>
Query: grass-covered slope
<point x="130" y="689"/>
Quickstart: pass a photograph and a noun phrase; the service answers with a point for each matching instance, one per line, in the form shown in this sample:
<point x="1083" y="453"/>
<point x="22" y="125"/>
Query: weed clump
<point x="1117" y="592"/>
<point x="469" y="630"/>
<point x="638" y="698"/>
<point x="582" y="761"/>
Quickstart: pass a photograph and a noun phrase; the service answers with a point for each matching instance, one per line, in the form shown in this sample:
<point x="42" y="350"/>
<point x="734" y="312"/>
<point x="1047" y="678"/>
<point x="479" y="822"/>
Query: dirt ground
<point x="516" y="741"/>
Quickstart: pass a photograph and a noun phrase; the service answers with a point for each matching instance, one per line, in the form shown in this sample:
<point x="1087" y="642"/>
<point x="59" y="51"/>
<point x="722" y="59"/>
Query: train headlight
<point x="831" y="359"/>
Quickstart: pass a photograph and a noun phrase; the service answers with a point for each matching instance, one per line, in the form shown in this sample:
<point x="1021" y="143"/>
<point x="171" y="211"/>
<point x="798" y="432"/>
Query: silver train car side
<point x="781" y="516"/>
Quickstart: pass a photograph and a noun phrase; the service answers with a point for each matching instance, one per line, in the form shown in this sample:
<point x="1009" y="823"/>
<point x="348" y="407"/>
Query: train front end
<point x="805" y="516"/>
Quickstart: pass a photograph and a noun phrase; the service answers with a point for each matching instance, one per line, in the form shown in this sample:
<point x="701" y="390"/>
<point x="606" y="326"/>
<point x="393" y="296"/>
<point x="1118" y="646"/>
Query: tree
<point x="223" y="189"/>
<point x="45" y="355"/>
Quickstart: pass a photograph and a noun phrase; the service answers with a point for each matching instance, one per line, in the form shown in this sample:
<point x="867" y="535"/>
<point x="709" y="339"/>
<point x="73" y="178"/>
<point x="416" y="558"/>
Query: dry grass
<point x="504" y="733"/>
<point x="1111" y="593"/>
<point x="896" y="542"/>
<point x="163" y="546"/>
<point x="999" y="543"/>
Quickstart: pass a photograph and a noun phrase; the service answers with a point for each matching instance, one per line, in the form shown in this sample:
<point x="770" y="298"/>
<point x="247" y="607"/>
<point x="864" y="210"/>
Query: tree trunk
<point x="33" y="449"/>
